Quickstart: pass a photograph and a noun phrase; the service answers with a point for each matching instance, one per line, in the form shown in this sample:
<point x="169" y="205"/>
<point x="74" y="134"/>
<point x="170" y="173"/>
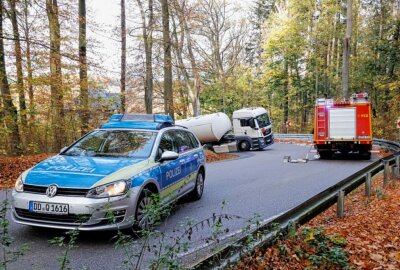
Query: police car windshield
<point x="114" y="143"/>
<point x="263" y="120"/>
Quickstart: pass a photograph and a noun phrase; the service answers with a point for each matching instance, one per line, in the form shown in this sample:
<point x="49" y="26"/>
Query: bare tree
<point x="194" y="92"/>
<point x="224" y="39"/>
<point x="123" y="57"/>
<point x="168" y="93"/>
<point x="83" y="79"/>
<point x="10" y="111"/>
<point x="57" y="105"/>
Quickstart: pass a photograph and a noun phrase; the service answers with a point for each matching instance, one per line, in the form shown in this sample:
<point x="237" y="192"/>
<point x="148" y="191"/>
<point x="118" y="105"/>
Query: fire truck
<point x="343" y="126"/>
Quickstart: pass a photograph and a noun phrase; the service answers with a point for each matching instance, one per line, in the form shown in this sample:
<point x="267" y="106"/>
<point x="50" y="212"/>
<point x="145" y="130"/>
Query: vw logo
<point x="51" y="191"/>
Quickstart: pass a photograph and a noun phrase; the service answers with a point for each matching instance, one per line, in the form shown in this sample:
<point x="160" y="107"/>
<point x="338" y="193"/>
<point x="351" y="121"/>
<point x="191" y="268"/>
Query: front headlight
<point x="108" y="190"/>
<point x="19" y="184"/>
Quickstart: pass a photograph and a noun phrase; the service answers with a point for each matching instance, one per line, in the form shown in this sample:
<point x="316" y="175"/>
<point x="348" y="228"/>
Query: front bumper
<point x="86" y="214"/>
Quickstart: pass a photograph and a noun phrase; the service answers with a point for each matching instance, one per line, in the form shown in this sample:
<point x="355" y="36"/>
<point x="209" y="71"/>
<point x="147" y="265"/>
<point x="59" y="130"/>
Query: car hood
<point x="82" y="172"/>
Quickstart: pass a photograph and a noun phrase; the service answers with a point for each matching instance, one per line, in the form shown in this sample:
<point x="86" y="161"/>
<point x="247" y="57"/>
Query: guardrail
<point x="304" y="212"/>
<point x="289" y="136"/>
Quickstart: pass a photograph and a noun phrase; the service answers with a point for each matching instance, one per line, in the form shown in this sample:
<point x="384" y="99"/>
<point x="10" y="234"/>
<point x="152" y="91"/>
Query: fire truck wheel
<point x="365" y="155"/>
<point x="325" y="155"/>
<point x="244" y="146"/>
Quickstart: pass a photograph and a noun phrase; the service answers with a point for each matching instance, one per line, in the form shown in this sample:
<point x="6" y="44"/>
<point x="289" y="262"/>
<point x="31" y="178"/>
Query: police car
<point x="114" y="169"/>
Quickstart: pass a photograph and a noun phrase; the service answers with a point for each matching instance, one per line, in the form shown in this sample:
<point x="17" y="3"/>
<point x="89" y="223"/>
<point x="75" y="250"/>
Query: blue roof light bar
<point x="139" y="121"/>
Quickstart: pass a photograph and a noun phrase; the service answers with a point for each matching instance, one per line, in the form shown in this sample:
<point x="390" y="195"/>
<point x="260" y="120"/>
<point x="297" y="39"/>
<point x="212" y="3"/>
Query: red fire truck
<point x="343" y="126"/>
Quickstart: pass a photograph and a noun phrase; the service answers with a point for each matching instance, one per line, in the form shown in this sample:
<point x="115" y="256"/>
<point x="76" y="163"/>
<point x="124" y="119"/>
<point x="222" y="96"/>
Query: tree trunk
<point x="83" y="79"/>
<point x="18" y="64"/>
<point x="57" y="105"/>
<point x="286" y="93"/>
<point x="168" y="94"/>
<point x="346" y="51"/>
<point x="29" y="63"/>
<point x="10" y="111"/>
<point x="123" y="57"/>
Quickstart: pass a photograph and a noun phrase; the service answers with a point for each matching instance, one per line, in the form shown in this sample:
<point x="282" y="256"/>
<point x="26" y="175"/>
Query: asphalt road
<point x="255" y="183"/>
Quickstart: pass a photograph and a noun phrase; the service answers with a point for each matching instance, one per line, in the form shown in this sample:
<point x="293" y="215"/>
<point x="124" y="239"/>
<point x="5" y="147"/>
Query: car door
<point x="173" y="171"/>
<point x="187" y="153"/>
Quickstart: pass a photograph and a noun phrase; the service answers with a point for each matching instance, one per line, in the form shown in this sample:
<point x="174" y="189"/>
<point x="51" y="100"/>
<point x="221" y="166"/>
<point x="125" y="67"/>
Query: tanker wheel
<point x="244" y="146"/>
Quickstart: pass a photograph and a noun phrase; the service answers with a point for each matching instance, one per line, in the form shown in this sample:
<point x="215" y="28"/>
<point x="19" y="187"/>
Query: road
<point x="255" y="183"/>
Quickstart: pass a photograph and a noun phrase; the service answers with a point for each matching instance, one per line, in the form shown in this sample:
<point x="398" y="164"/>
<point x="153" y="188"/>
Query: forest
<point x="189" y="57"/>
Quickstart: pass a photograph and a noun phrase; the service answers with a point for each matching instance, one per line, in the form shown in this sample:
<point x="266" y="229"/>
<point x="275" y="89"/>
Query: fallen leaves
<point x="12" y="167"/>
<point x="213" y="157"/>
<point x="370" y="228"/>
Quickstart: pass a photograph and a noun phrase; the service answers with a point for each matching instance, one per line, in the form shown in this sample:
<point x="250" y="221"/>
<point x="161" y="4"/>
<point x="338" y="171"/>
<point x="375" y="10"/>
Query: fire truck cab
<point x="343" y="126"/>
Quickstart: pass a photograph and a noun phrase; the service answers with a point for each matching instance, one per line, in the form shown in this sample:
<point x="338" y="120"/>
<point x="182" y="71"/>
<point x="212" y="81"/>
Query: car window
<point x="183" y="141"/>
<point x="167" y="143"/>
<point x="194" y="141"/>
<point x="114" y="143"/>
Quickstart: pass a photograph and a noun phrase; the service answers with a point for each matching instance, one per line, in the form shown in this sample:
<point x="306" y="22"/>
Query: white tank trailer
<point x="251" y="130"/>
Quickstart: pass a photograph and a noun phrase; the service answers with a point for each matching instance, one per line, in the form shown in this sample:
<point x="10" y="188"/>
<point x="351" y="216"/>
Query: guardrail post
<point x="368" y="184"/>
<point x="394" y="173"/>
<point x="340" y="204"/>
<point x="385" y="172"/>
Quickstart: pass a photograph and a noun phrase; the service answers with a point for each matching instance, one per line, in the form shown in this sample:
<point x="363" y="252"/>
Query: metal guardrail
<point x="304" y="212"/>
<point x="289" y="136"/>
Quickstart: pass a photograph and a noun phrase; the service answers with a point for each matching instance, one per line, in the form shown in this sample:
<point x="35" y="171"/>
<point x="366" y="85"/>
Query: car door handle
<point x="196" y="155"/>
<point x="182" y="161"/>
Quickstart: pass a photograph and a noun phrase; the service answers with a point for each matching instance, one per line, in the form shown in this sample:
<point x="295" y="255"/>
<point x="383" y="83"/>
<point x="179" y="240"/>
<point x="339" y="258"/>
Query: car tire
<point x="197" y="192"/>
<point x="244" y="146"/>
<point x="142" y="222"/>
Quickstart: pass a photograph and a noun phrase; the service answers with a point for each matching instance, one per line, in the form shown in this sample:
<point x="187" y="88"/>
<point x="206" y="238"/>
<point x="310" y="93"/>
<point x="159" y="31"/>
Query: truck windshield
<point x="263" y="120"/>
<point x="114" y="143"/>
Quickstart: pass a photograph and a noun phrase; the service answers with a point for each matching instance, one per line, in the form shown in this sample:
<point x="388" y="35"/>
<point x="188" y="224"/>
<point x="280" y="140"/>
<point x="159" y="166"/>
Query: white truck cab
<point x="254" y="128"/>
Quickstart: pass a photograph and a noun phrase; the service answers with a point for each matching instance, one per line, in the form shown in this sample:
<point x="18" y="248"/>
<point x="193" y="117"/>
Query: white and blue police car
<point x="114" y="169"/>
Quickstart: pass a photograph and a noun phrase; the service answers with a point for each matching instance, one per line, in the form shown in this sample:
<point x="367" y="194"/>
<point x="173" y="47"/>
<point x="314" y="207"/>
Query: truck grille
<point x="70" y="218"/>
<point x="60" y="191"/>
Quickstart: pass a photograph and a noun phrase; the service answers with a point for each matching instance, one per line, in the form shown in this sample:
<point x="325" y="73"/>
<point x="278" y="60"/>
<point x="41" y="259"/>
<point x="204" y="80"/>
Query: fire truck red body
<point x="343" y="126"/>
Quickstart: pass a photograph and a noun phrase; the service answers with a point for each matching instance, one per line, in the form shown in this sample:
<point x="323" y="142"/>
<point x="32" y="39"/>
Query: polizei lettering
<point x="173" y="173"/>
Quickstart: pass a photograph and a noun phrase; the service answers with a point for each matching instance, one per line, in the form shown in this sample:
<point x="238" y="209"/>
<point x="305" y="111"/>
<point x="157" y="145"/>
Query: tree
<point x="10" y="111"/>
<point x="147" y="34"/>
<point x="168" y="94"/>
<point x="83" y="79"/>
<point x="123" y="57"/>
<point x="346" y="50"/>
<point x="26" y="28"/>
<point x="56" y="86"/>
<point x="18" y="63"/>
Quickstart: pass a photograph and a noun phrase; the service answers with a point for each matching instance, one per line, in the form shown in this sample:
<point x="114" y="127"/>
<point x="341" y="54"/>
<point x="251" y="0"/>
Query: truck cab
<point x="252" y="128"/>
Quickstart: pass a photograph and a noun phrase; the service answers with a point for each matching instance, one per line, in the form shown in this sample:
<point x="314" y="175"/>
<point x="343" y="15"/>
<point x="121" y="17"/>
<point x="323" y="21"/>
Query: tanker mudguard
<point x="139" y="121"/>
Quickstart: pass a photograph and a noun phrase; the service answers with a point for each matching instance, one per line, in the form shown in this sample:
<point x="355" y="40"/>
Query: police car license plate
<point x="49" y="208"/>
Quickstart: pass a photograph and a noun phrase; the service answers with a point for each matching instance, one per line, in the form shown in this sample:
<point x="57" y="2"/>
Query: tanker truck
<point x="252" y="130"/>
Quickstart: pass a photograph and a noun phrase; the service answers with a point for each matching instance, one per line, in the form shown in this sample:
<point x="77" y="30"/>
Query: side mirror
<point x="168" y="155"/>
<point x="63" y="149"/>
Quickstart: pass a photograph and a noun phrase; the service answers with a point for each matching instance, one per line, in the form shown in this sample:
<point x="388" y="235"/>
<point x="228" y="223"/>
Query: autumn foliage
<point x="367" y="237"/>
